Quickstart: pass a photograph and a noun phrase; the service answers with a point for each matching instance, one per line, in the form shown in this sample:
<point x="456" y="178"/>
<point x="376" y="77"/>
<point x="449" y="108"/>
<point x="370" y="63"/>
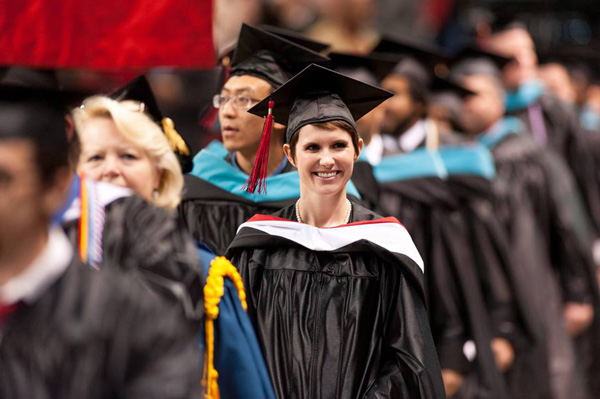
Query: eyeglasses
<point x="240" y="102"/>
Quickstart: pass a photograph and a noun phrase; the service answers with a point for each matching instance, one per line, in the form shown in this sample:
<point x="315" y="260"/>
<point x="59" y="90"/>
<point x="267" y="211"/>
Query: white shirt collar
<point x="374" y="151"/>
<point x="413" y="137"/>
<point x="50" y="264"/>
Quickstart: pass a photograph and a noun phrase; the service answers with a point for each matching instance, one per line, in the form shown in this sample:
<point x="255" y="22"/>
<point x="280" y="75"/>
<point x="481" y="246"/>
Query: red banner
<point x="106" y="34"/>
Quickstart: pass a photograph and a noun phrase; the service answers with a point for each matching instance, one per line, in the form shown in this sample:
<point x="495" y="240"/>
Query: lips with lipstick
<point x="327" y="175"/>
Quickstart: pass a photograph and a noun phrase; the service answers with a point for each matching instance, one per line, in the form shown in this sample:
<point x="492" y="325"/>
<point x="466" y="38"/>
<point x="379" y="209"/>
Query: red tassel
<point x="258" y="175"/>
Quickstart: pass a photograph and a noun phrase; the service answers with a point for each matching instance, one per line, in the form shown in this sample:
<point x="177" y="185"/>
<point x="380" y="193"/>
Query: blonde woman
<point x="124" y="152"/>
<point x="122" y="145"/>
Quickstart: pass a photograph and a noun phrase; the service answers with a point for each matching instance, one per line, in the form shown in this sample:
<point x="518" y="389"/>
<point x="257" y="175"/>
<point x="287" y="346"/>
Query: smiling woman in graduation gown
<point x="339" y="312"/>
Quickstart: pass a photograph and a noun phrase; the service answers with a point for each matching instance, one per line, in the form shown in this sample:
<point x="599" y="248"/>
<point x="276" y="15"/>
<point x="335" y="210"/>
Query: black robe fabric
<point x="503" y="287"/>
<point x="540" y="210"/>
<point x="212" y="215"/>
<point x="98" y="335"/>
<point x="575" y="145"/>
<point x="456" y="304"/>
<point x="363" y="179"/>
<point x="150" y="244"/>
<point x="345" y="323"/>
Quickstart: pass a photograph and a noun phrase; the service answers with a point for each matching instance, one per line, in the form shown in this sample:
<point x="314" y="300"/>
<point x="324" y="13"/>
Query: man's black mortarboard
<point x="139" y="90"/>
<point x="315" y="95"/>
<point x="297" y="38"/>
<point x="369" y="69"/>
<point x="415" y="61"/>
<point x="473" y="52"/>
<point x="440" y="85"/>
<point x="427" y="55"/>
<point x="33" y="106"/>
<point x="475" y="61"/>
<point x="507" y="20"/>
<point x="584" y="59"/>
<point x="270" y="57"/>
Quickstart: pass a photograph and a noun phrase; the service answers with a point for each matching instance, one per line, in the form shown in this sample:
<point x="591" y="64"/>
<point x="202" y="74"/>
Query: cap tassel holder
<point x="258" y="175"/>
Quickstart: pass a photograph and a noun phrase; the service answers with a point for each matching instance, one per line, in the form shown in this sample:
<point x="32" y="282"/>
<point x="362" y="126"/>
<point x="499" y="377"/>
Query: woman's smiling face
<point x="324" y="158"/>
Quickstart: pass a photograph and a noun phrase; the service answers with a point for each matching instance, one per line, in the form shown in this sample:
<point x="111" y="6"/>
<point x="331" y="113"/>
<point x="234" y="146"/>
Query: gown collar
<point x="46" y="268"/>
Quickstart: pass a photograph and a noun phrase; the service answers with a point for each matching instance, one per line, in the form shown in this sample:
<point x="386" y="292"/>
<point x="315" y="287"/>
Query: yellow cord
<point x="175" y="140"/>
<point x="214" y="289"/>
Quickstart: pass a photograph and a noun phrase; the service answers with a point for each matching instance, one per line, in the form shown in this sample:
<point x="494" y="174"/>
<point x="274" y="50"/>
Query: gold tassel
<point x="214" y="289"/>
<point x="175" y="140"/>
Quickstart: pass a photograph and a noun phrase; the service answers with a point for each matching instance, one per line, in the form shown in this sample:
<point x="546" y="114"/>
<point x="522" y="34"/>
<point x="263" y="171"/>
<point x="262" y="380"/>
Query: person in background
<point x="404" y="126"/>
<point x="102" y="335"/>
<point x="121" y="145"/>
<point x="537" y="203"/>
<point x="214" y="203"/>
<point x="113" y="219"/>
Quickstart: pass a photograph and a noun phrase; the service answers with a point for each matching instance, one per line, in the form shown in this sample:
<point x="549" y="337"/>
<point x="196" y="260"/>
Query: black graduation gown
<point x="575" y="145"/>
<point x="455" y="300"/>
<point x="503" y="288"/>
<point x="364" y="180"/>
<point x="98" y="335"/>
<point x="539" y="208"/>
<point x="150" y="244"/>
<point x="214" y="203"/>
<point x="346" y="322"/>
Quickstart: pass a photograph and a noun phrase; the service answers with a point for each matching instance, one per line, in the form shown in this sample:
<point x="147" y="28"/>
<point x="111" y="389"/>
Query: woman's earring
<point x="155" y="194"/>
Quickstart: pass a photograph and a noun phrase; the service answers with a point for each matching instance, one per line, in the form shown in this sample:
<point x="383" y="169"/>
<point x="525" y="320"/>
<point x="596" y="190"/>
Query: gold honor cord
<point x="220" y="268"/>
<point x="175" y="140"/>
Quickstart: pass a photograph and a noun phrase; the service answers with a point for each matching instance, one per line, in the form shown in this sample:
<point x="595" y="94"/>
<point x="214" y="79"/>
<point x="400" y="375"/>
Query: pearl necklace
<point x="346" y="219"/>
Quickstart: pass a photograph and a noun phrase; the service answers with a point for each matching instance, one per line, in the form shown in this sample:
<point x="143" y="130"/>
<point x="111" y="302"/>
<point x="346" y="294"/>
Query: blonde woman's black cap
<point x="138" y="89"/>
<point x="270" y="57"/>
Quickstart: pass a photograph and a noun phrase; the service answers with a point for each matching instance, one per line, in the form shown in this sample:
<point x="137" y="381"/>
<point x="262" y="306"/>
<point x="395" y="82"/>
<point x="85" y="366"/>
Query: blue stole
<point x="504" y="127"/>
<point x="471" y="159"/>
<point x="210" y="165"/>
<point x="589" y="119"/>
<point x="526" y="94"/>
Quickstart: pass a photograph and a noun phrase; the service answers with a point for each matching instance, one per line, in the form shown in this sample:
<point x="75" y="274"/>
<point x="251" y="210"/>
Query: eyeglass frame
<point x="235" y="103"/>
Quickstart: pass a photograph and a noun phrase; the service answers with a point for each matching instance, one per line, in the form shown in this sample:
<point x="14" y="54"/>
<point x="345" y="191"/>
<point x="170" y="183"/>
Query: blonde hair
<point x="138" y="128"/>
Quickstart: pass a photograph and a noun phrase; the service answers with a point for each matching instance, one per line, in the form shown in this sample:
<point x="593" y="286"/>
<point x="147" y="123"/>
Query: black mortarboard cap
<point x="297" y="38"/>
<point x="418" y="62"/>
<point x="473" y="52"/>
<point x="397" y="48"/>
<point x="34" y="106"/>
<point x="507" y="20"/>
<point x="369" y="69"/>
<point x="318" y="94"/>
<point x="270" y="57"/>
<point x="577" y="58"/>
<point x="139" y="90"/>
<point x="315" y="95"/>
<point x="441" y="85"/>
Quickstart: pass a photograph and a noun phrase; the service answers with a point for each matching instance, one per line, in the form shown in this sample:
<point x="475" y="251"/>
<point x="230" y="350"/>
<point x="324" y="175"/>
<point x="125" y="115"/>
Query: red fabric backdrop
<point x="106" y="34"/>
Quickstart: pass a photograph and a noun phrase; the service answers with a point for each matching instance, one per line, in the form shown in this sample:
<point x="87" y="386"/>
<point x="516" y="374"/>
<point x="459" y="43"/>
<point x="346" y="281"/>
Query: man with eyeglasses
<point x="214" y="203"/>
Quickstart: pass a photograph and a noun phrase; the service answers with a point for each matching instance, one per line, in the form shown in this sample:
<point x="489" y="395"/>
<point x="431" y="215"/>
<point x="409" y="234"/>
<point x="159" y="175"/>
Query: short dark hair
<point x="331" y="125"/>
<point x="49" y="160"/>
